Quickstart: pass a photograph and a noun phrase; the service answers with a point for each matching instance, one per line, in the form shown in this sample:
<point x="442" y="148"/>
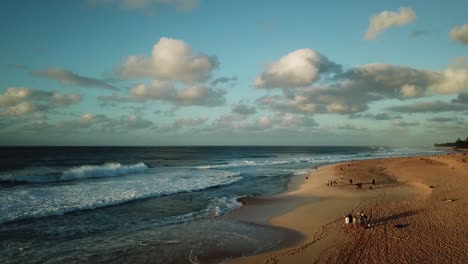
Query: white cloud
<point x="451" y="81"/>
<point x="191" y="95"/>
<point x="410" y="90"/>
<point x="387" y="19"/>
<point x="96" y="122"/>
<point x="428" y="107"/>
<point x="16" y="101"/>
<point x="396" y="81"/>
<point x="171" y="59"/>
<point x="159" y="90"/>
<point x="262" y="122"/>
<point x="460" y="34"/>
<point x="298" y="68"/>
<point x="353" y="90"/>
<point x="21" y="108"/>
<point x="310" y="100"/>
<point x="290" y="120"/>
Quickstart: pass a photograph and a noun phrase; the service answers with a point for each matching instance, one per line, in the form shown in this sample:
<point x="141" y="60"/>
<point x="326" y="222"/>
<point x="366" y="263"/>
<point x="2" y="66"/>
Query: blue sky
<point x="187" y="72"/>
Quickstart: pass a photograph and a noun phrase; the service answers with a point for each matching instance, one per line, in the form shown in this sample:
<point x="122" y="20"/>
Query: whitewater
<point x="45" y="200"/>
<point x="147" y="203"/>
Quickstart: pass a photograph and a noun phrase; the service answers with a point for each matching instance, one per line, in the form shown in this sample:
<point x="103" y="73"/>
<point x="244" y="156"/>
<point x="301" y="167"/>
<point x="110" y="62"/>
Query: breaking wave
<point x="47" y="200"/>
<point x="75" y="173"/>
<point x="248" y="163"/>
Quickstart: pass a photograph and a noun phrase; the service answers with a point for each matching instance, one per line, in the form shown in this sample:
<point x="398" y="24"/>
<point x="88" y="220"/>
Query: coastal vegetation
<point x="459" y="143"/>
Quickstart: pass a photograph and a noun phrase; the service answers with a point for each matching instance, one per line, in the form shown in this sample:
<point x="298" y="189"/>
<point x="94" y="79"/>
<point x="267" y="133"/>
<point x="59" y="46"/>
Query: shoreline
<point x="317" y="211"/>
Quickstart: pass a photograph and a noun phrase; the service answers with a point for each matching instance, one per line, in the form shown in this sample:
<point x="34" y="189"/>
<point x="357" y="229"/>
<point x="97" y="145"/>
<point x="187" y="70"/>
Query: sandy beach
<point x="417" y="209"/>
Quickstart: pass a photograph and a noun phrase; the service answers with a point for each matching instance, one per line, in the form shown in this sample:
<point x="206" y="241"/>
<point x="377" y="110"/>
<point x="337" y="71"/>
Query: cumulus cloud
<point x="428" y="107"/>
<point x="351" y="91"/>
<point x="452" y="81"/>
<point x="171" y="59"/>
<point x="183" y="5"/>
<point x="260" y="123"/>
<point x="296" y="69"/>
<point x="323" y="99"/>
<point x="406" y="82"/>
<point x="459" y="34"/>
<point x="263" y="122"/>
<point x="94" y="122"/>
<point x="16" y="101"/>
<point x="191" y="95"/>
<point x="392" y="81"/>
<point x="66" y="77"/>
<point x="387" y="19"/>
<point x="158" y="90"/>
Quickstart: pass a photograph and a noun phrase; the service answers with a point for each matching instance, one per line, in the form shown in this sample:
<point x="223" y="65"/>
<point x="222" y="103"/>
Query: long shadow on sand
<point x="383" y="220"/>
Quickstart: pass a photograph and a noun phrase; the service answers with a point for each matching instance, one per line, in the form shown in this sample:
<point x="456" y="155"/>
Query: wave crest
<point x="75" y="173"/>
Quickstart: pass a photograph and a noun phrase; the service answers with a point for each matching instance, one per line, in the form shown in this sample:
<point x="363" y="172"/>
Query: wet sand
<point x="418" y="212"/>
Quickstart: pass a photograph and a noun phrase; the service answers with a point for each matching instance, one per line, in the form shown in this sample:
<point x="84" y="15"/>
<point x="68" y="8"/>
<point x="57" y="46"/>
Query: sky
<point x="211" y="72"/>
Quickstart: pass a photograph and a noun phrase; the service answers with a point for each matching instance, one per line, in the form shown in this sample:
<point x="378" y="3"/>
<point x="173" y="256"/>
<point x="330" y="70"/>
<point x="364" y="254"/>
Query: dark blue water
<point x="146" y="204"/>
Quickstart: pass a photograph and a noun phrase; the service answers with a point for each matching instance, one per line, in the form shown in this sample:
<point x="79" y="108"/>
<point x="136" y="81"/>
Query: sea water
<point x="147" y="204"/>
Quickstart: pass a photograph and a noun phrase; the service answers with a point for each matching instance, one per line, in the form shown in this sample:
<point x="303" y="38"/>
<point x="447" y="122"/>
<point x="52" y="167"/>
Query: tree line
<point x="459" y="143"/>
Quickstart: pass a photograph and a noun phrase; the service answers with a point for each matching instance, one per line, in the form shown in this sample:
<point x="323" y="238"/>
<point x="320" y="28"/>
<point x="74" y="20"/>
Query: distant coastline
<point x="458" y="144"/>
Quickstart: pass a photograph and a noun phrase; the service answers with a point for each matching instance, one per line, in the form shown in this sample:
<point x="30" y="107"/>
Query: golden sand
<point x="418" y="212"/>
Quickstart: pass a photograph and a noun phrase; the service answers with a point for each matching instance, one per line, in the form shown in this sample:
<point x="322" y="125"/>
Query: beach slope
<point x="418" y="211"/>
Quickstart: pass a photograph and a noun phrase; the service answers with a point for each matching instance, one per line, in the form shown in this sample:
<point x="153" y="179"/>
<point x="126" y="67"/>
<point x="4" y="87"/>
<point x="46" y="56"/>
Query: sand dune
<point x="418" y="211"/>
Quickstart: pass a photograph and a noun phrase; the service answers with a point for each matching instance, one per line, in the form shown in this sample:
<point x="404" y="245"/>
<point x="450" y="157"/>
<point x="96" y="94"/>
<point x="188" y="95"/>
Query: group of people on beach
<point x="362" y="220"/>
<point x="331" y="183"/>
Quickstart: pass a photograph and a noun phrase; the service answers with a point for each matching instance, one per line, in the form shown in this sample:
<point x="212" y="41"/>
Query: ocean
<point x="148" y="204"/>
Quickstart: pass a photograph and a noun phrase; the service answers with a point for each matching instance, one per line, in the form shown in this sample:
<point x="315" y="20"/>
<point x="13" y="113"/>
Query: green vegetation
<point x="457" y="144"/>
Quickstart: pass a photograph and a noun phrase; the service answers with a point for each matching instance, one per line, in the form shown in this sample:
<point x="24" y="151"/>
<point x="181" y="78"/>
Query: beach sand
<point x="418" y="211"/>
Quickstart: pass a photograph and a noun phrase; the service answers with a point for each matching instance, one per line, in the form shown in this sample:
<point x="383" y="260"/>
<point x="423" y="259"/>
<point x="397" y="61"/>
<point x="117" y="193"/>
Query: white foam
<point x="44" y="175"/>
<point x="221" y="205"/>
<point x="106" y="170"/>
<point x="248" y="163"/>
<point x="43" y="200"/>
